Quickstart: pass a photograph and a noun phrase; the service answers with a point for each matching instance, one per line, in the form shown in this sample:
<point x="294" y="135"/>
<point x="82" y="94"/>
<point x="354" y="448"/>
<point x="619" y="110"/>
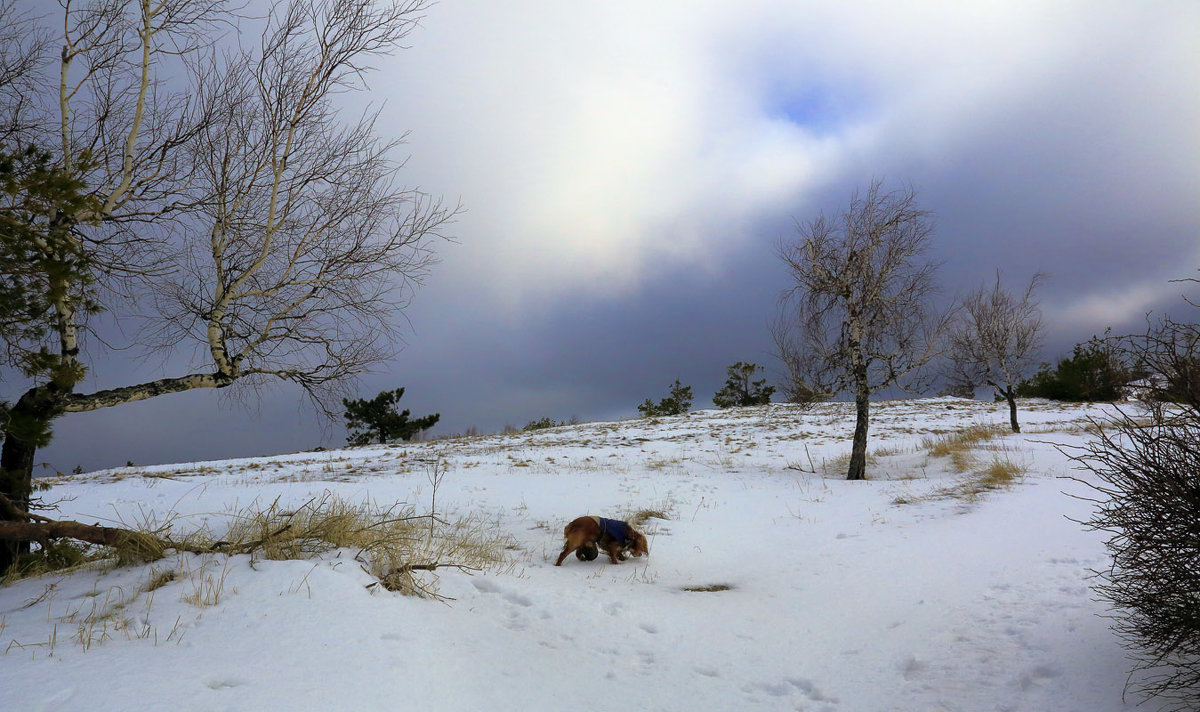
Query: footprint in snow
<point x="790" y="686"/>
<point x="913" y="669"/>
<point x="224" y="683"/>
<point x="518" y="599"/>
<point x="1038" y="674"/>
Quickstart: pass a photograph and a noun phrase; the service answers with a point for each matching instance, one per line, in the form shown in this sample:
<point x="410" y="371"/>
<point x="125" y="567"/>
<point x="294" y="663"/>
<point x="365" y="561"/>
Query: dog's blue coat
<point x="615" y="529"/>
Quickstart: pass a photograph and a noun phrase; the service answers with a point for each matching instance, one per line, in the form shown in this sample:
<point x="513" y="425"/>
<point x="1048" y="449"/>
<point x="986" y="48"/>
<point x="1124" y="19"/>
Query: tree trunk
<point x="1011" y="397"/>
<point x="146" y="546"/>
<point x="29" y="426"/>
<point x="16" y="483"/>
<point x="16" y="468"/>
<point x="858" y="455"/>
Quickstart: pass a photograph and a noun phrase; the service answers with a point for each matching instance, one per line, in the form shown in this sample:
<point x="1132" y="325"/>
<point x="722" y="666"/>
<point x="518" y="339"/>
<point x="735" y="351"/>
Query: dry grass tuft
<point x="159" y="578"/>
<point x="391" y="542"/>
<point x="962" y="460"/>
<point x="841" y="464"/>
<point x="139" y="548"/>
<point x="641" y="516"/>
<point x="967" y="439"/>
<point x="1001" y="472"/>
<point x="207" y="589"/>
<point x="319" y="525"/>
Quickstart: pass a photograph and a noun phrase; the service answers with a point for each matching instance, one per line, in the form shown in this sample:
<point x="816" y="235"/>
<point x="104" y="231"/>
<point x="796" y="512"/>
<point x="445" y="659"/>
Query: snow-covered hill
<point x="769" y="586"/>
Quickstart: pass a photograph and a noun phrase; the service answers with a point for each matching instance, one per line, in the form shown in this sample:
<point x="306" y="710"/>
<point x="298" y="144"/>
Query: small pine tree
<point x="542" y="424"/>
<point x="377" y="419"/>
<point x="740" y="391"/>
<point x="680" y="401"/>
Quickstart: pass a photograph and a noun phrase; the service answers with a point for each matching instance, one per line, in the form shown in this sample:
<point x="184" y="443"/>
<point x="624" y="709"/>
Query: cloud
<point x="596" y="143"/>
<point x="1124" y="306"/>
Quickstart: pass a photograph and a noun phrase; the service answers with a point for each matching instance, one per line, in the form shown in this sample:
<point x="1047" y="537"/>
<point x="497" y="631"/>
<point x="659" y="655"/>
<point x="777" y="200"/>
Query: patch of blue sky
<point x="819" y="109"/>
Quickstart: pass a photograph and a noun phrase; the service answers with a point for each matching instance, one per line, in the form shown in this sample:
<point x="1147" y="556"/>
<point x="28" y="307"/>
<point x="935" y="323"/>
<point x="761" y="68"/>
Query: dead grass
<point x="159" y="578"/>
<point x="962" y="460"/>
<point x="958" y="441"/>
<point x="641" y="516"/>
<point x="390" y="542"/>
<point x="55" y="556"/>
<point x="207" y="589"/>
<point x="1000" y="472"/>
<point x="841" y="464"/>
<point x="963" y="448"/>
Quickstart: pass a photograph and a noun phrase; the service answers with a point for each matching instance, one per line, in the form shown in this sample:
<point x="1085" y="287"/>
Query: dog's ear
<point x="639" y="544"/>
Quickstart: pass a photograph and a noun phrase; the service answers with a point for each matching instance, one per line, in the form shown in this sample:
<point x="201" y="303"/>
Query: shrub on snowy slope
<point x="1095" y="371"/>
<point x="380" y="419"/>
<point x="1150" y="503"/>
<point x="677" y="403"/>
<point x="740" y="391"/>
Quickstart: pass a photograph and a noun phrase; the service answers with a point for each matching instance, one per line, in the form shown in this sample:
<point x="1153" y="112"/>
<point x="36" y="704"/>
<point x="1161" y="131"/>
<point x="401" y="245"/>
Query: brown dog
<point x="610" y="535"/>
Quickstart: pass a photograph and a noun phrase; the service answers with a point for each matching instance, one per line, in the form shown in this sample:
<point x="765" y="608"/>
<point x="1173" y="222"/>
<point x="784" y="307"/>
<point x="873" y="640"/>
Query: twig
<point x="13" y="512"/>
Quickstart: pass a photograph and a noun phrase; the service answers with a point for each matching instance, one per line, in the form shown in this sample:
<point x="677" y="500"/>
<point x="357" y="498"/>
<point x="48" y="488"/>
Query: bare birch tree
<point x="241" y="218"/>
<point x="859" y="318"/>
<point x="994" y="340"/>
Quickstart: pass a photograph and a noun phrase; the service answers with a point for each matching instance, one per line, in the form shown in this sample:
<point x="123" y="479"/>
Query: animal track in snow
<point x="1038" y="674"/>
<point x="790" y="686"/>
<point x="224" y="683"/>
<point x="517" y="599"/>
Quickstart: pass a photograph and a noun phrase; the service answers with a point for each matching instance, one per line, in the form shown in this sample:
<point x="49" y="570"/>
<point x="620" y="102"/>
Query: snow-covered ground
<point x="815" y="593"/>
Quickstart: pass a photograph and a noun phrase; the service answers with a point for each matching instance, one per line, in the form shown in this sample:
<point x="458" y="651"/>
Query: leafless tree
<point x="859" y="318"/>
<point x="242" y="219"/>
<point x="994" y="339"/>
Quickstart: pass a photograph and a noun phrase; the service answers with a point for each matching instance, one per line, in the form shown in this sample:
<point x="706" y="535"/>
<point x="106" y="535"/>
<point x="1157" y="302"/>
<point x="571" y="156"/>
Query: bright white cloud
<point x="591" y="142"/>
<point x="1122" y="306"/>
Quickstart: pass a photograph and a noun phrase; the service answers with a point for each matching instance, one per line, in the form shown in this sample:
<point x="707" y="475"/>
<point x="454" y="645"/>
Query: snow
<point x="888" y="594"/>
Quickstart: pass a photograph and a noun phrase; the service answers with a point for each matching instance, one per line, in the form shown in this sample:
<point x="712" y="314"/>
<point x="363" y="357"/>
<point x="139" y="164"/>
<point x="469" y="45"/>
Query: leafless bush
<point x="1149" y="499"/>
<point x="1168" y="355"/>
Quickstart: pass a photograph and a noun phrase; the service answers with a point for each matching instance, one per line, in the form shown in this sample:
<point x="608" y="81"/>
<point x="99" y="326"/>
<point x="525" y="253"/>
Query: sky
<point x="628" y="171"/>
